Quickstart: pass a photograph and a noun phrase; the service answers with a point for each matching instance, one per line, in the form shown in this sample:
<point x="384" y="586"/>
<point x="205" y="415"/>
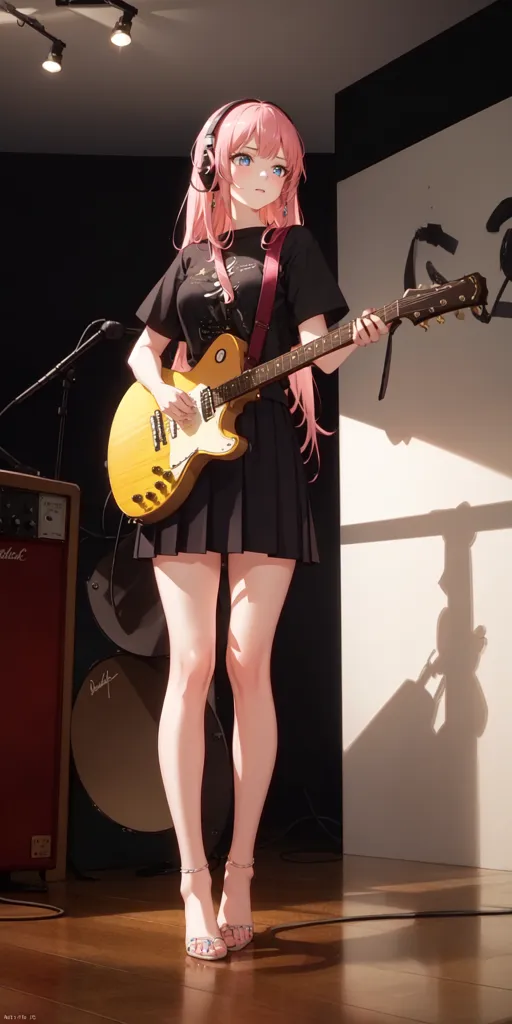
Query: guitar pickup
<point x="154" y="431"/>
<point x="207" y="409"/>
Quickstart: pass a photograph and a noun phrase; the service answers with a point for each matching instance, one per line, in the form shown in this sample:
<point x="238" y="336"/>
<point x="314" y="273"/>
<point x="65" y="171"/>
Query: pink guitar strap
<point x="265" y="302"/>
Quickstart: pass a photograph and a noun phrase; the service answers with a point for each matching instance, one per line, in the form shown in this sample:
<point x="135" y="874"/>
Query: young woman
<point x="253" y="511"/>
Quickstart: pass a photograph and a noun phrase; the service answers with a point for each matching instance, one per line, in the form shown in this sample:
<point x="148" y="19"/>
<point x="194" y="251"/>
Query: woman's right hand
<point x="176" y="404"/>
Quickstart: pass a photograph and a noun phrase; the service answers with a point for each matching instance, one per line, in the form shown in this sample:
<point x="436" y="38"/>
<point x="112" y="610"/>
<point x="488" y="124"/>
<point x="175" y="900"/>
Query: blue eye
<point x="281" y="171"/>
<point x="242" y="156"/>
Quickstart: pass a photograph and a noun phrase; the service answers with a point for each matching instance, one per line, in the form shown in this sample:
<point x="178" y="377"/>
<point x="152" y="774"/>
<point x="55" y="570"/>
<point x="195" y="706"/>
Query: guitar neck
<point x="282" y="366"/>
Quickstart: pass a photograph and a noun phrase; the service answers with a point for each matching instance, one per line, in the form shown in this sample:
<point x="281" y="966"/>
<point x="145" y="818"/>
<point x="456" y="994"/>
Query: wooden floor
<point x="119" y="955"/>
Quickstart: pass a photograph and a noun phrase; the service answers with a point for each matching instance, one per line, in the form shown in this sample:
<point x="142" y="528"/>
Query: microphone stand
<point x="67" y="380"/>
<point x="109" y="329"/>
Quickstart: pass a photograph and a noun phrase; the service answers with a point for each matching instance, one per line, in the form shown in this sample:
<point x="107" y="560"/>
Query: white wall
<point x="426" y="517"/>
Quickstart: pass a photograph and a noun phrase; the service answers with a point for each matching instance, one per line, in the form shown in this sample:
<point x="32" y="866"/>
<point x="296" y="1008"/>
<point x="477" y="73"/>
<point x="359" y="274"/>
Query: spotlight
<point x="121" y="36"/>
<point x="53" y="62"/>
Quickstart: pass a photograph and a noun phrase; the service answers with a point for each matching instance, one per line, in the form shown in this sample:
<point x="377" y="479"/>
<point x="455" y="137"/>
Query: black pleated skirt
<point x="258" y="502"/>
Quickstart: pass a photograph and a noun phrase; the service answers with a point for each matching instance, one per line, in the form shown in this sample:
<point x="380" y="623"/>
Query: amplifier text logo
<point x="13" y="556"/>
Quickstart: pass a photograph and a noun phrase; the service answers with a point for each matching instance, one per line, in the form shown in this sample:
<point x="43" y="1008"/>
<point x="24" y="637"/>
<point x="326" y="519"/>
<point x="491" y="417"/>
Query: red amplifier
<point x="38" y="557"/>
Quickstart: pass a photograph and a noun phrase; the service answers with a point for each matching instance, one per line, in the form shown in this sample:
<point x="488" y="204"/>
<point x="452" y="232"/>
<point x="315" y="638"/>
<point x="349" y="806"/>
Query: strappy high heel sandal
<point x="226" y="928"/>
<point x="211" y="948"/>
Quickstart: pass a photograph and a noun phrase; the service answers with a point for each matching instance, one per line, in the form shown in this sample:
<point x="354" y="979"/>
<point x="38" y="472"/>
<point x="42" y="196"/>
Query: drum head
<point x="114" y="741"/>
<point x="136" y="623"/>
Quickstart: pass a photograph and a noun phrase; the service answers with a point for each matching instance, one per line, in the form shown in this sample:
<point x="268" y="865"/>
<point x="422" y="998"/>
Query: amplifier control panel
<point x="26" y="513"/>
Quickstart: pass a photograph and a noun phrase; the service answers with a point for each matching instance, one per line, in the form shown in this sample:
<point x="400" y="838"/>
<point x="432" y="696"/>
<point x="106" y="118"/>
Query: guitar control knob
<point x="157" y="470"/>
<point x="167" y="475"/>
<point x="151" y="496"/>
<point x="160" y="486"/>
<point x="137" y="498"/>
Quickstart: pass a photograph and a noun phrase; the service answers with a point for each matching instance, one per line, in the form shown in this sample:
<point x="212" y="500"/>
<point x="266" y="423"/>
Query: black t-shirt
<point x="187" y="303"/>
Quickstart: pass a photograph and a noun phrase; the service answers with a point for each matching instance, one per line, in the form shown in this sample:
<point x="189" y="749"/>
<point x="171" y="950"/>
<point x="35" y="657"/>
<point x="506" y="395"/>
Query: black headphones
<point x="207" y="170"/>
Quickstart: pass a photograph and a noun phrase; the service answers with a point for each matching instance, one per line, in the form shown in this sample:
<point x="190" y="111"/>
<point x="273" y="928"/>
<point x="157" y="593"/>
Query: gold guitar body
<point x="152" y="463"/>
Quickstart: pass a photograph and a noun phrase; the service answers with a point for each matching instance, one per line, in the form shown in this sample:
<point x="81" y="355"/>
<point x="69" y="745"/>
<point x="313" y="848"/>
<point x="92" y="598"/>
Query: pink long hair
<point x="271" y="129"/>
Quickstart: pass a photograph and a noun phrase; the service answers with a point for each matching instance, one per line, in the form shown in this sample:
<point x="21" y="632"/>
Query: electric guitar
<point x="153" y="463"/>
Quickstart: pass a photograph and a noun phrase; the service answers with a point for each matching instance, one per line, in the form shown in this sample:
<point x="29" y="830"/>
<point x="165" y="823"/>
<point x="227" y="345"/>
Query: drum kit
<point x="116" y="711"/>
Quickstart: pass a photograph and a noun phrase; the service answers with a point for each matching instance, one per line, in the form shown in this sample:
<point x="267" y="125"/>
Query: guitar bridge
<point x="156" y="440"/>
<point x="158" y="429"/>
<point x="160" y="426"/>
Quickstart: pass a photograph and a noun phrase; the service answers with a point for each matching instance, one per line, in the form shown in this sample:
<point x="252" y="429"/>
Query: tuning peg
<point x="460" y="314"/>
<point x="425" y="325"/>
<point x="440" y="319"/>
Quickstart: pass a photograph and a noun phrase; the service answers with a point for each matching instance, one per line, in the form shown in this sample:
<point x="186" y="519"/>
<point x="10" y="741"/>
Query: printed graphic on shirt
<point x="230" y="266"/>
<point x="223" y="319"/>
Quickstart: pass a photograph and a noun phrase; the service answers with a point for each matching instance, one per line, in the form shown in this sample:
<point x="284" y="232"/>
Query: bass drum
<point x="114" y="742"/>
<point x="126" y="604"/>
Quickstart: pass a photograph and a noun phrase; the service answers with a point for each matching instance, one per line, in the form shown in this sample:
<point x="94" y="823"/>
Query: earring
<point x="285" y="211"/>
<point x="213" y="203"/>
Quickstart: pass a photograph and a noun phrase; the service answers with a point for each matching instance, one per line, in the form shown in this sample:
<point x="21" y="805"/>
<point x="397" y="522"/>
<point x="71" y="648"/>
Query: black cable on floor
<point x="298" y="857"/>
<point x="58" y="911"/>
<point x="405" y="915"/>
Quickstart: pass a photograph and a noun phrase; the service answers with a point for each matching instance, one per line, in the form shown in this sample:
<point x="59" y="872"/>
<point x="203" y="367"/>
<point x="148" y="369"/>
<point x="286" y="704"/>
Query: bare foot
<point x="235" y="906"/>
<point x="196" y="890"/>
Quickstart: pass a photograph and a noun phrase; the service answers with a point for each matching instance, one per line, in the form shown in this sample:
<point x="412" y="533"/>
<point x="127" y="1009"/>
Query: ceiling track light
<point x="121" y="33"/>
<point x="121" y="36"/>
<point x="53" y="61"/>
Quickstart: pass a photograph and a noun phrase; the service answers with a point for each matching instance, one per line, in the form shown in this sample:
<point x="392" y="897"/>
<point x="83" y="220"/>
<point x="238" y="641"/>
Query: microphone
<point x="110" y="329"/>
<point x="113" y="330"/>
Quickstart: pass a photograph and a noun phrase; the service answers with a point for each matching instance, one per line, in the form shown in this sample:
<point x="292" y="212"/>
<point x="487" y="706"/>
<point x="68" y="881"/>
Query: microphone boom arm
<point x="109" y="329"/>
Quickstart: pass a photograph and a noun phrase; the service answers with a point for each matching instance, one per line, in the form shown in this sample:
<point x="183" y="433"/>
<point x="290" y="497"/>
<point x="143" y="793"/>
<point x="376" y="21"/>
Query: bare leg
<point x="188" y="586"/>
<point x="259" y="586"/>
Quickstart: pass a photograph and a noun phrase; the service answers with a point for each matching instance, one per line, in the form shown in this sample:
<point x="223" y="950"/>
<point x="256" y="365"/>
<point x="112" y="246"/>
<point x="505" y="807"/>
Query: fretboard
<point x="282" y="366"/>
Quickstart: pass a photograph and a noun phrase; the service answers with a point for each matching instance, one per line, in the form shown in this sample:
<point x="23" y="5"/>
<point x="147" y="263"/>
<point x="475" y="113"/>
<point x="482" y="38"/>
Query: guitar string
<point x="301" y="356"/>
<point x="401" y="304"/>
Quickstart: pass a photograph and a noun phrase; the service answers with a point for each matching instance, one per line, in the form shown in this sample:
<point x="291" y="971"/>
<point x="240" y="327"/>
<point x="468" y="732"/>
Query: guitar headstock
<point x="420" y="304"/>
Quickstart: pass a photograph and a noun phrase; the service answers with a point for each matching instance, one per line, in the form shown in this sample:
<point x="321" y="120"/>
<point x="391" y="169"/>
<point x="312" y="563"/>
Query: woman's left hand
<point x="368" y="328"/>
